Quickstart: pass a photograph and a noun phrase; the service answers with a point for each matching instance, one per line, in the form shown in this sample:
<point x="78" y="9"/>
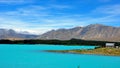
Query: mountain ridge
<point x="13" y="35"/>
<point x="96" y="32"/>
<point x="91" y="32"/>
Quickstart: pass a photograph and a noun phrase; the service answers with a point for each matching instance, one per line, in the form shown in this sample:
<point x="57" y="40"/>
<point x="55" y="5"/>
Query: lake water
<point x="32" y="56"/>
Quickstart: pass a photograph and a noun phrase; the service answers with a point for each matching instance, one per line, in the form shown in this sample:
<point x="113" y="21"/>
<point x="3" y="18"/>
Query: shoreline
<point x="98" y="51"/>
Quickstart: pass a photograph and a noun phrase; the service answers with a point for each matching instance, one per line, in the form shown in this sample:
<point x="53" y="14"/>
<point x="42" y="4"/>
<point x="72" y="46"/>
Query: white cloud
<point x="109" y="9"/>
<point x="104" y="1"/>
<point x="23" y="26"/>
<point x="56" y="6"/>
<point x="15" y="1"/>
<point x="38" y="28"/>
<point x="28" y="11"/>
<point x="38" y="19"/>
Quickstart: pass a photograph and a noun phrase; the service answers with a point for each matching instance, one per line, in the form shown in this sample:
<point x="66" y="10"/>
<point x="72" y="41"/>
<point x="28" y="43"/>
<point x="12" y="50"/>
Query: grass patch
<point x="99" y="51"/>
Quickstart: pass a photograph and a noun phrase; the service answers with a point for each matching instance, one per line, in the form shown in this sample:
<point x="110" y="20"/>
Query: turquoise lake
<point x="33" y="56"/>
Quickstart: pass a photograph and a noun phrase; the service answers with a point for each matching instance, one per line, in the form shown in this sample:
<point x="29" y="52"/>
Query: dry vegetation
<point x="98" y="51"/>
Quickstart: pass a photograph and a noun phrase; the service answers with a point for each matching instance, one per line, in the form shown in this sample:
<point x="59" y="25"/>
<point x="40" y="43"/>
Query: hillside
<point x="91" y="32"/>
<point x="13" y="35"/>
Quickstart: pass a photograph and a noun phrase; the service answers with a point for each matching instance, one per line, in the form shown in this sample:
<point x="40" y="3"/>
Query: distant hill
<point x="91" y="32"/>
<point x="13" y="35"/>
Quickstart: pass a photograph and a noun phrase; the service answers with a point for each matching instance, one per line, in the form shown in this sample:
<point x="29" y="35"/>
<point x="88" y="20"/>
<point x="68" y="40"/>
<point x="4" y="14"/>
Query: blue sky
<point x="39" y="16"/>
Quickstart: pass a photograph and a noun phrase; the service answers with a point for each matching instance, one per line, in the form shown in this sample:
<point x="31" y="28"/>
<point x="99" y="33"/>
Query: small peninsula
<point x="97" y="51"/>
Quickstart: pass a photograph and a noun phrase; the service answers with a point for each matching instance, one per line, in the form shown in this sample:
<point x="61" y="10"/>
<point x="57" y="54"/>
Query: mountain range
<point x="13" y="35"/>
<point x="96" y="32"/>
